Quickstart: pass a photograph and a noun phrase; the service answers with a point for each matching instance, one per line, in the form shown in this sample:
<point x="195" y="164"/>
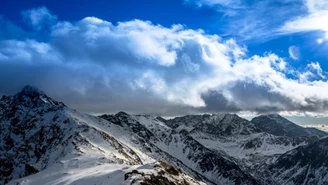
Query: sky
<point x="171" y="57"/>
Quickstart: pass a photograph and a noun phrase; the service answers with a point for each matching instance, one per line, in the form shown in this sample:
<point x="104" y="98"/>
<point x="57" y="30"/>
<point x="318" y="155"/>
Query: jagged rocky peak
<point x="27" y="91"/>
<point x="32" y="126"/>
<point x="16" y="106"/>
<point x="32" y="96"/>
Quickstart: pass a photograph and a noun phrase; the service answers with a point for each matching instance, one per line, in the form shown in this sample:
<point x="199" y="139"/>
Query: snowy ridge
<point x="43" y="142"/>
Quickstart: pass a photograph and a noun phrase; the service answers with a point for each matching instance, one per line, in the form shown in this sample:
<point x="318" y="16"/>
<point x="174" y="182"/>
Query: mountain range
<point x="44" y="142"/>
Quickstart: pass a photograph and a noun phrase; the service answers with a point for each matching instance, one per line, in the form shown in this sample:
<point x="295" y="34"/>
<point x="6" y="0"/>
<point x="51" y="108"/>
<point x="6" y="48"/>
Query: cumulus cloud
<point x="96" y="66"/>
<point x="40" y="17"/>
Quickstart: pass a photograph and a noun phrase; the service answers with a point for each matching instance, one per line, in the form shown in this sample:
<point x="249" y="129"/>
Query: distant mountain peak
<point x="280" y="126"/>
<point x="271" y="115"/>
<point x="122" y="114"/>
<point x="277" y="118"/>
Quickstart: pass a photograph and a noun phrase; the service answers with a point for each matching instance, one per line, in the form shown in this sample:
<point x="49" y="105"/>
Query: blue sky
<point x="171" y="57"/>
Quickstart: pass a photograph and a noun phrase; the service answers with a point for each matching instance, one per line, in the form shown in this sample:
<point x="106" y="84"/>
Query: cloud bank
<point x="97" y="66"/>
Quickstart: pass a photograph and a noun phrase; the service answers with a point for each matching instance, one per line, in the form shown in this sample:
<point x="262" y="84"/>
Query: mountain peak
<point x="271" y="115"/>
<point x="32" y="96"/>
<point x="31" y="91"/>
<point x="122" y="113"/>
<point x="277" y="118"/>
<point x="280" y="126"/>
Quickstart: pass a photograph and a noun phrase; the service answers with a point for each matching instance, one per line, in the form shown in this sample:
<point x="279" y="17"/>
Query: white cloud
<point x="316" y="67"/>
<point x="312" y="71"/>
<point x="137" y="66"/>
<point x="39" y="17"/>
<point x="315" y="19"/>
<point x="316" y="5"/>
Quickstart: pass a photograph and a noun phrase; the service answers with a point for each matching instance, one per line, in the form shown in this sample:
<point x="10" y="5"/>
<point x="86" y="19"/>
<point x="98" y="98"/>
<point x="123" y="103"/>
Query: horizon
<point x="171" y="58"/>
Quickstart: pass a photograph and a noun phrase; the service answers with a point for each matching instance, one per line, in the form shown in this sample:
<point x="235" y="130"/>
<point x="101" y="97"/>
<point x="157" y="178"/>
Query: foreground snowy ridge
<point x="44" y="142"/>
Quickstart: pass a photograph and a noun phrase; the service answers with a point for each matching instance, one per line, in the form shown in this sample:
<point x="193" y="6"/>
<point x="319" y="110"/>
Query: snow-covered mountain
<point x="42" y="141"/>
<point x="182" y="147"/>
<point x="43" y="137"/>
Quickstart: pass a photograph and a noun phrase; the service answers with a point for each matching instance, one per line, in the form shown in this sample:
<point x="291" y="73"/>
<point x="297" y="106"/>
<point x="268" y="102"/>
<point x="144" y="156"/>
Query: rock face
<point x="303" y="165"/>
<point x="33" y="132"/>
<point x="44" y="142"/>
